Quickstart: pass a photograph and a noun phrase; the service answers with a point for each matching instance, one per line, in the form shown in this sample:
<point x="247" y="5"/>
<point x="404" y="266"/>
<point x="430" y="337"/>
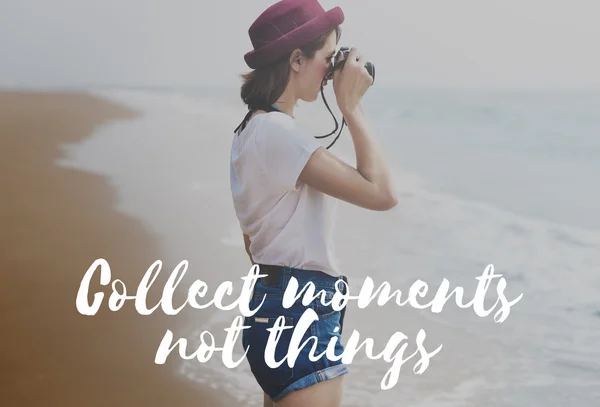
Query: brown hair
<point x="263" y="86"/>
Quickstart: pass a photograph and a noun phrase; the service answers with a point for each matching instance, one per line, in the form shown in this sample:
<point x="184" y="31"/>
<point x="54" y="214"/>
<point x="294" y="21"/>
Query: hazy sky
<point x="456" y="43"/>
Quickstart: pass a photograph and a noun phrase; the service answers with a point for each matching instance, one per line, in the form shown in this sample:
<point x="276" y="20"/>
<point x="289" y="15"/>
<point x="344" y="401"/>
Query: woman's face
<point x="312" y="72"/>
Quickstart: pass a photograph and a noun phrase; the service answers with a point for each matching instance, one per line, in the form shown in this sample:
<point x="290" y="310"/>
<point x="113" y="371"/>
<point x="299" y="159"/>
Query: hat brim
<point x="295" y="38"/>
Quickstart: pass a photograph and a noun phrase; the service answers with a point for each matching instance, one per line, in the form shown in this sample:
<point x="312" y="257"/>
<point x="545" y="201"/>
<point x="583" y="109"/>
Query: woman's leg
<point x="323" y="394"/>
<point x="267" y="401"/>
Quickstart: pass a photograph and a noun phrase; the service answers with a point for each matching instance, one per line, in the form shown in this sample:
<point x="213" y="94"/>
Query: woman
<point x="285" y="186"/>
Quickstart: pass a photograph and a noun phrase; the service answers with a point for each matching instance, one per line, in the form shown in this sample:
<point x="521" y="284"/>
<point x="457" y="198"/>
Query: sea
<point x="500" y="179"/>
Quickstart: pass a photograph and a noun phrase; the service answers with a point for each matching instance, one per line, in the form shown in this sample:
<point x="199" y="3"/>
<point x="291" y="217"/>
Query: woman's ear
<point x="296" y="60"/>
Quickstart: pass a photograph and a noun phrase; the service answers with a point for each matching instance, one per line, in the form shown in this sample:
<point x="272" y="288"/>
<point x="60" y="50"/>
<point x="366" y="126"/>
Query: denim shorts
<point x="278" y="382"/>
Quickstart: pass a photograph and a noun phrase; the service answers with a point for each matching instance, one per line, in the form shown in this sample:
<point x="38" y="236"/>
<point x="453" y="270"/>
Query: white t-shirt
<point x="288" y="222"/>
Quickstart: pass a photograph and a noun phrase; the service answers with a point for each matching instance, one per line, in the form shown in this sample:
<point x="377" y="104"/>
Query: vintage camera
<point x="339" y="65"/>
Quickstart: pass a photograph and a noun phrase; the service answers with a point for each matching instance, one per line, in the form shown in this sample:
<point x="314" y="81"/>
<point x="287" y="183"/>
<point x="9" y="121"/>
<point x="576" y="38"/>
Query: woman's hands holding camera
<point x="351" y="82"/>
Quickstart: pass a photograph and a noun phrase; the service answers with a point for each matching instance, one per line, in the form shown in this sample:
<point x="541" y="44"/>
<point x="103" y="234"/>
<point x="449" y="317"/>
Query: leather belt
<point x="273" y="274"/>
<point x="273" y="278"/>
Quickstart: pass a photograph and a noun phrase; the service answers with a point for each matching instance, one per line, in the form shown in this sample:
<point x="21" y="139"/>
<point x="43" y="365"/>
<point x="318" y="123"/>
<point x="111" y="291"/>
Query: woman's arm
<point x="247" y="244"/>
<point x="369" y="185"/>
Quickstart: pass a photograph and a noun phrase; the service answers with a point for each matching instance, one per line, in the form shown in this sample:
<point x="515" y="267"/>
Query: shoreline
<point x="57" y="221"/>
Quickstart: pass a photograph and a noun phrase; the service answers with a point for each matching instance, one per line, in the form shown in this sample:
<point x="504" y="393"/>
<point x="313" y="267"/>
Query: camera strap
<point x="251" y="110"/>
<point x="273" y="108"/>
<point x="334" y="119"/>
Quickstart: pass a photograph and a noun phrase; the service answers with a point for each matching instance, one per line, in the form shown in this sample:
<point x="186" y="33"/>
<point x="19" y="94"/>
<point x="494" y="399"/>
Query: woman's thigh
<point x="324" y="394"/>
<point x="267" y="400"/>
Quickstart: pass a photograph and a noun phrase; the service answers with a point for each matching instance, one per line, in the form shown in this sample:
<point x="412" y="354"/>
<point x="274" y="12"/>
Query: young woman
<point x="285" y="187"/>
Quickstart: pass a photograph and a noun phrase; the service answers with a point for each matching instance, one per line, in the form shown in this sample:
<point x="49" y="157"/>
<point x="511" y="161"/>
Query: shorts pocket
<point x="269" y="378"/>
<point x="322" y="305"/>
<point x="257" y="337"/>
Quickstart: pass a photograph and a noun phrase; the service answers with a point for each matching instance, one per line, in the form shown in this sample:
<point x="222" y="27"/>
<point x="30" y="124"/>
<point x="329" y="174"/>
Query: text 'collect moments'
<point x="224" y="298"/>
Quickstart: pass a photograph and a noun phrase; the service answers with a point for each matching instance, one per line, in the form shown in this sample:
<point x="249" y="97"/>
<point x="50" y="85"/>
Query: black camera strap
<point x="273" y="108"/>
<point x="251" y="110"/>
<point x="334" y="119"/>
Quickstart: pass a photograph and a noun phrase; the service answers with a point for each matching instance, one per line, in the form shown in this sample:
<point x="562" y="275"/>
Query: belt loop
<point x="343" y="311"/>
<point x="285" y="277"/>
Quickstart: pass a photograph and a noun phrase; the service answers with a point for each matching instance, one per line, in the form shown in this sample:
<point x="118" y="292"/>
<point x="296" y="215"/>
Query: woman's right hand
<point x="351" y="82"/>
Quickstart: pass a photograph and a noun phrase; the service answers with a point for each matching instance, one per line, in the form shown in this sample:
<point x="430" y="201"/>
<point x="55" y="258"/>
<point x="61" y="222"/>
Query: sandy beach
<point x="55" y="223"/>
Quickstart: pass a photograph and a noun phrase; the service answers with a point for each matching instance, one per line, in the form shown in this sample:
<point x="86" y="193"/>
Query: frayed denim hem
<point x="312" y="379"/>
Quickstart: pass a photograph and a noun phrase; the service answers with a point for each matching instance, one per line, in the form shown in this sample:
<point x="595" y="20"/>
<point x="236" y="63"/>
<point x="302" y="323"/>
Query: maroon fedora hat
<point x="287" y="25"/>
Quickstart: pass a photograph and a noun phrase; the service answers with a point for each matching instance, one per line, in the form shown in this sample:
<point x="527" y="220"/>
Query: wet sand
<point x="55" y="222"/>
